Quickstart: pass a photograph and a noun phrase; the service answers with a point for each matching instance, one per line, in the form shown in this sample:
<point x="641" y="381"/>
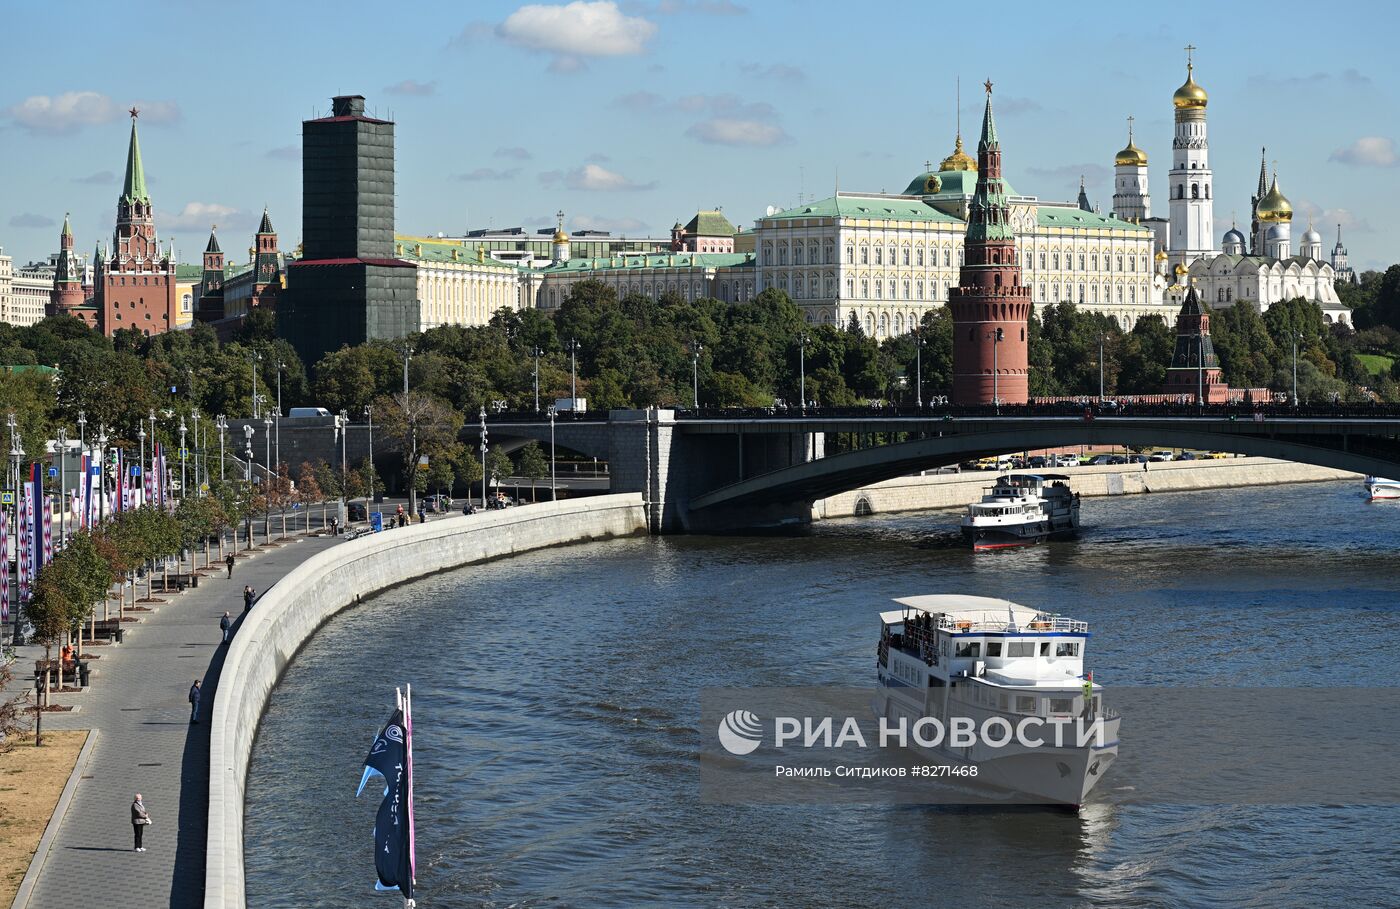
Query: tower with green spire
<point x="990" y="305"/>
<point x="67" y="294"/>
<point x="134" y="286"/>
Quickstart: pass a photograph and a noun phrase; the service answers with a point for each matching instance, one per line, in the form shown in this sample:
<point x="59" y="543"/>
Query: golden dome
<point x="959" y="159"/>
<point x="560" y="236"/>
<point x="1161" y="255"/>
<point x="1180" y="269"/>
<point x="1132" y="156"/>
<point x="1190" y="94"/>
<point x="1275" y="207"/>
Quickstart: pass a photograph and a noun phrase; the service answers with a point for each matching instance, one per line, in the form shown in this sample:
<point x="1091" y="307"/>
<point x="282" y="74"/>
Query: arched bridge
<point x="716" y="469"/>
<point x="1361" y="445"/>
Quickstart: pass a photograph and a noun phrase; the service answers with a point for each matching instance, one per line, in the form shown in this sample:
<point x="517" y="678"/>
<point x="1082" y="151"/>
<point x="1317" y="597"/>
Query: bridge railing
<point x="1087" y="408"/>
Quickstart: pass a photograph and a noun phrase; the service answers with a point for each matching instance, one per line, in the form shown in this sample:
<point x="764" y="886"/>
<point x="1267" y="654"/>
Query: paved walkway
<point x="145" y="744"/>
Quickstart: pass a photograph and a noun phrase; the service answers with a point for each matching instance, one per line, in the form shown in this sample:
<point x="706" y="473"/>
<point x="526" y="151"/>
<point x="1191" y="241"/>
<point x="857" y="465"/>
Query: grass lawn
<point x="1376" y="363"/>
<point x="31" y="780"/>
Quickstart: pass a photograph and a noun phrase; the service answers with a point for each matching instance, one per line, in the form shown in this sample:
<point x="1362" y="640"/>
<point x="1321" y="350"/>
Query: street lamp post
<point x="1200" y="373"/>
<point x="1298" y="336"/>
<point x="183" y="453"/>
<point x="407" y="351"/>
<point x="996" y="338"/>
<point x="537" y="353"/>
<point x="61" y="455"/>
<point x="483" y="457"/>
<point x="1100" y="366"/>
<point x="573" y="374"/>
<point x="248" y="432"/>
<point x="267" y="446"/>
<point x="141" y="464"/>
<point x="919" y="368"/>
<point x="253" y="364"/>
<point x="344" y="464"/>
<point x="802" y="341"/>
<point x="198" y="449"/>
<point x="277" y="446"/>
<point x="369" y="418"/>
<point x="695" y="348"/>
<point x="221" y="424"/>
<point x="553" y="489"/>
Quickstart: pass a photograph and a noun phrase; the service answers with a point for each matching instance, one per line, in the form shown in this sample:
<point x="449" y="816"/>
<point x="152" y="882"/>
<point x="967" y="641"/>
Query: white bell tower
<point x="1192" y="203"/>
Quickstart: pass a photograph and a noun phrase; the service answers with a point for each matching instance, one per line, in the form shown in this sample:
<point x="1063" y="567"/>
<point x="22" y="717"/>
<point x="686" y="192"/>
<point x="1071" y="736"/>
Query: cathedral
<point x="1262" y="268"/>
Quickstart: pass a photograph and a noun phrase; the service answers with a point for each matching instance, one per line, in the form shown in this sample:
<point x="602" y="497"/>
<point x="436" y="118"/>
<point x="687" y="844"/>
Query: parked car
<point x="439" y="502"/>
<point x="356" y="511"/>
<point x="1216" y="456"/>
<point x="1037" y="462"/>
<point x="1098" y="460"/>
<point x="1066" y="460"/>
<point x="298" y="412"/>
<point x="1117" y="459"/>
<point x="1137" y="459"/>
<point x="1163" y="456"/>
<point x="1187" y="456"/>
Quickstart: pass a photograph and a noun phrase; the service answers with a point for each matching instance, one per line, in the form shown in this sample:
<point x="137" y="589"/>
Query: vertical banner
<point x="80" y="495"/>
<point x="23" y="554"/>
<point x="4" y="566"/>
<point x="34" y="491"/>
<point x="46" y="530"/>
<point x="119" y="485"/>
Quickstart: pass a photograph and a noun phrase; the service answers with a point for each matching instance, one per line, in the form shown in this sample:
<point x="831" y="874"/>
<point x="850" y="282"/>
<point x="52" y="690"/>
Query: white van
<point x="308" y="412"/>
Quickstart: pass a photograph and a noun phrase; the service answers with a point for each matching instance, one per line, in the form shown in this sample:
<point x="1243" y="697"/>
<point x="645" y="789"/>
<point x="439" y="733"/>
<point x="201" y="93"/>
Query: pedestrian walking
<point x="194" y="702"/>
<point x="229" y="562"/>
<point x="140" y="820"/>
<point x="224" y="625"/>
<point x="248" y="596"/>
<point x="335" y="527"/>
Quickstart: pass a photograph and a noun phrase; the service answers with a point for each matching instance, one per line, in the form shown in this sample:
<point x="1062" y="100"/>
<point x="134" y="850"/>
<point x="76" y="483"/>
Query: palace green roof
<point x="885" y="208"/>
<point x="655" y="261"/>
<point x="418" y="251"/>
<point x="710" y="224"/>
<point x="1056" y="216"/>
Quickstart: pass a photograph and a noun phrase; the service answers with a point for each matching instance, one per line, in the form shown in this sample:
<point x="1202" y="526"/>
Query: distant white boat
<point x="1381" y="488"/>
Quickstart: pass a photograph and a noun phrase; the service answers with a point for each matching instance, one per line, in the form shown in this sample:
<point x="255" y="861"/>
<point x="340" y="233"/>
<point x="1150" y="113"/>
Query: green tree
<point x="531" y="462"/>
<point x="421" y="425"/>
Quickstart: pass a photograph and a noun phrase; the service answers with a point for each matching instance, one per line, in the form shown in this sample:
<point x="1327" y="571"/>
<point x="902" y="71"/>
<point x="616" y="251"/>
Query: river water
<point x="556" y="712"/>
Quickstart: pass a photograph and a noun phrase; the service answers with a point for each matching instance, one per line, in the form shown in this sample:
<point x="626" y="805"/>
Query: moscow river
<point x="556" y="716"/>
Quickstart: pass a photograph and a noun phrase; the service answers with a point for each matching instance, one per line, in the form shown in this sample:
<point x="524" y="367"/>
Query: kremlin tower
<point x="1195" y="372"/>
<point x="135" y="284"/>
<point x="67" y="295"/>
<point x="990" y="306"/>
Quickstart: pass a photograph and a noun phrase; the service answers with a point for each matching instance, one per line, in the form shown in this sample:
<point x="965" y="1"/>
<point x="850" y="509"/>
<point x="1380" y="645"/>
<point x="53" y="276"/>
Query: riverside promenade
<point x="138" y="711"/>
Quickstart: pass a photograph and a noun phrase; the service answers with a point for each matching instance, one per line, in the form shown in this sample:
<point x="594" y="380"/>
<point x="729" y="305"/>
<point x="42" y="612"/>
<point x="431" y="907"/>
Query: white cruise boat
<point x="945" y="656"/>
<point x="1381" y="488"/>
<point x="1022" y="509"/>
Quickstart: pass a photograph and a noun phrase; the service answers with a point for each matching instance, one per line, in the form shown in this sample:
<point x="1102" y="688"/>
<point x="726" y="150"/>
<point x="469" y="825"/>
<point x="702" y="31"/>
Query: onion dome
<point x="959" y="159"/>
<point x="560" y="236"/>
<point x="1311" y="236"/>
<point x="1180" y="269"/>
<point x="1233" y="235"/>
<point x="1131" y="156"/>
<point x="1161" y="255"/>
<point x="1190" y="95"/>
<point x="1275" y="207"/>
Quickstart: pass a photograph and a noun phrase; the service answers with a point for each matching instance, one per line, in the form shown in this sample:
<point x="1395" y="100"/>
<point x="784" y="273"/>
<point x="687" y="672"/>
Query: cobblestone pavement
<point x="137" y="704"/>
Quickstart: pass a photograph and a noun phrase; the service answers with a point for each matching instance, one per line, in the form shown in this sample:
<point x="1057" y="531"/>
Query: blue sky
<point x="631" y="115"/>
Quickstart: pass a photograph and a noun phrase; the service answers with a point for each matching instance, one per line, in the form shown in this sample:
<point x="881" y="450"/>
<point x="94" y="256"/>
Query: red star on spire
<point x="988" y="85"/>
<point x="134" y="113"/>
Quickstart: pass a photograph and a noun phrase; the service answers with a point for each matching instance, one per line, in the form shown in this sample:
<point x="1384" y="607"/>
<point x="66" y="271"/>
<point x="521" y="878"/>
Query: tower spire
<point x="134" y="186"/>
<point x="989" y="124"/>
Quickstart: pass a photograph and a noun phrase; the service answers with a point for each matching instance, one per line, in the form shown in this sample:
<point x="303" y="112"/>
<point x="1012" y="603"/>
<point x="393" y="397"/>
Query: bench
<point x="108" y="628"/>
<point x="62" y="672"/>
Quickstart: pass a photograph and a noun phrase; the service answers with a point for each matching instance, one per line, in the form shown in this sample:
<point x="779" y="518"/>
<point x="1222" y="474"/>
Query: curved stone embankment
<point x="290" y="612"/>
<point x="957" y="490"/>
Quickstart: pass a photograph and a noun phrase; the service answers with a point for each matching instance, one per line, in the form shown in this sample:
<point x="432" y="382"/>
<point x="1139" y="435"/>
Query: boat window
<point x="1002" y="700"/>
<point x="1045" y="648"/>
<point x="968" y="649"/>
<point x="1025" y="704"/>
<point x="1066" y="649"/>
<point x="994" y="648"/>
<point x="935" y="682"/>
<point x="1020" y="648"/>
<point x="1062" y="705"/>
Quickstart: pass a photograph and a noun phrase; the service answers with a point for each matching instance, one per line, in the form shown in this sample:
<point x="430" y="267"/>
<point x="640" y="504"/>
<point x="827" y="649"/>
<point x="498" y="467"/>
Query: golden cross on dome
<point x="1190" y="49"/>
<point x="1130" y="127"/>
<point x="134" y="113"/>
<point x="988" y="86"/>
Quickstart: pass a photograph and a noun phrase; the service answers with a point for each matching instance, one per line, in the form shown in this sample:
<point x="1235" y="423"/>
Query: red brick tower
<point x="990" y="306"/>
<point x="267" y="280"/>
<point x="67" y="294"/>
<point x="136" y="286"/>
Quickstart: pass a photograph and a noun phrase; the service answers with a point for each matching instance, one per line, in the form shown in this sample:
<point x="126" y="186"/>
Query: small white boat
<point x="1021" y="510"/>
<point x="1381" y="488"/>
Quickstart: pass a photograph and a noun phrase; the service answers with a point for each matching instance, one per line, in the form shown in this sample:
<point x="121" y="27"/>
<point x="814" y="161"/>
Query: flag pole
<point x="408" y="748"/>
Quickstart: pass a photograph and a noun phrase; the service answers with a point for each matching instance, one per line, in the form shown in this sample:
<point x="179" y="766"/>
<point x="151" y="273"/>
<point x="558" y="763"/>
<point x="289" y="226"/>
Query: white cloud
<point x="412" y="88"/>
<point x="1326" y="220"/>
<point x="201" y="215"/>
<point x="488" y="174"/>
<point x="1368" y="151"/>
<point x="65" y="113"/>
<point x="593" y="178"/>
<point x="160" y="113"/>
<point x="577" y="30"/>
<point x="514" y="153"/>
<point x="737" y="131"/>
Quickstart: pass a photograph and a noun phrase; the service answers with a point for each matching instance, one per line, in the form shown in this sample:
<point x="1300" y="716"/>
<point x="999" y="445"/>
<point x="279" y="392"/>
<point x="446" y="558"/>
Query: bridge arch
<point x="828" y="476"/>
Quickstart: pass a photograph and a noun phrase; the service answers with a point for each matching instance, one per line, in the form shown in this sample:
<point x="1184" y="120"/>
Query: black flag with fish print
<point x="390" y="758"/>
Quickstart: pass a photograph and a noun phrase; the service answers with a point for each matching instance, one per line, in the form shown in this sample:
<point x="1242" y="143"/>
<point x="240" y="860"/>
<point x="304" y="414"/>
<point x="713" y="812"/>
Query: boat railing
<point x="1042" y="622"/>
